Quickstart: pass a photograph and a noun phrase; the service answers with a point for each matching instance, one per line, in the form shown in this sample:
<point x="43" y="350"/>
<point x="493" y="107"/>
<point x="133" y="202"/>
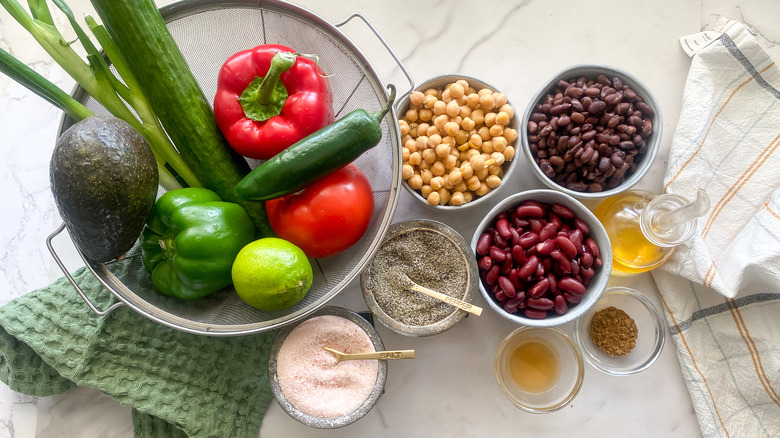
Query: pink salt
<point x="309" y="376"/>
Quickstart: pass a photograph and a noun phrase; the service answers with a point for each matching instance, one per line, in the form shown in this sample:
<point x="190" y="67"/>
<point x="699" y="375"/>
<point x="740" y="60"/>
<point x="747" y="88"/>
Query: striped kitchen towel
<point x="721" y="291"/>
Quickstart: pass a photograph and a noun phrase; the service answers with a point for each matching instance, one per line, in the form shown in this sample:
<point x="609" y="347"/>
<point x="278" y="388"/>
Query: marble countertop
<point x="449" y="390"/>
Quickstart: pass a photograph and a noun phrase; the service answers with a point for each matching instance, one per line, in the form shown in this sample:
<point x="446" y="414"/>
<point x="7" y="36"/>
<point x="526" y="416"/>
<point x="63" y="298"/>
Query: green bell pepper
<point x="190" y="241"/>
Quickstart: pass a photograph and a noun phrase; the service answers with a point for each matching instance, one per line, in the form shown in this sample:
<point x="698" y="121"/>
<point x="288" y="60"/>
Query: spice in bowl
<point x="310" y="377"/>
<point x="430" y="254"/>
<point x="456" y="139"/>
<point x="613" y="331"/>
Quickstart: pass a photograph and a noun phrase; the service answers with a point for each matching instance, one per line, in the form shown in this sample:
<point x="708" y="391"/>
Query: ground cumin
<point x="613" y="331"/>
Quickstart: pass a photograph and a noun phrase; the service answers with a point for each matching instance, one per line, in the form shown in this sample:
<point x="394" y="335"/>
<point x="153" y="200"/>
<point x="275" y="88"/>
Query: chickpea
<point x="472" y="100"/>
<point x="438" y="168"/>
<point x="496" y="130"/>
<point x="451" y="128"/>
<point x="483" y="91"/>
<point x="421" y="142"/>
<point x="486" y="101"/>
<point x="472" y="153"/>
<point x="437" y="182"/>
<point x="444" y="196"/>
<point x="475" y="141"/>
<point x="478" y="116"/>
<point x="457" y="90"/>
<point x="453" y="109"/>
<point x="431" y="92"/>
<point x="477" y="162"/>
<point x="465" y="111"/>
<point x="439" y="108"/>
<point x="455" y="177"/>
<point x="422" y="129"/>
<point x="490" y="119"/>
<point x="500" y="143"/>
<point x="482" y="190"/>
<point x="467" y="197"/>
<point x="425" y="190"/>
<point x="482" y="174"/>
<point x="407" y="171"/>
<point x="426" y="175"/>
<point x="434" y="140"/>
<point x="467" y="124"/>
<point x="423" y="166"/>
<point x="461" y="137"/>
<point x="487" y="147"/>
<point x="429" y="155"/>
<point x="450" y="162"/>
<point x="411" y="115"/>
<point x="460" y="187"/>
<point x="484" y="132"/>
<point x="463" y="83"/>
<point x="404" y="127"/>
<point x="440" y="121"/>
<point x="457" y="199"/>
<point x="450" y="140"/>
<point x="433" y="130"/>
<point x="430" y="101"/>
<point x="447" y="184"/>
<point x="433" y="198"/>
<point x="463" y="156"/>
<point x="466" y="171"/>
<point x="405" y="155"/>
<point x="416" y="98"/>
<point x="415" y="159"/>
<point x="510" y="134"/>
<point x="416" y="181"/>
<point x="493" y="181"/>
<point x="509" y="153"/>
<point x="496" y="170"/>
<point x="443" y="150"/>
<point x="473" y="183"/>
<point x="498" y="157"/>
<point x="413" y="130"/>
<point x="411" y="144"/>
<point x="445" y="96"/>
<point x="502" y="118"/>
<point x="500" y="99"/>
<point x="508" y="109"/>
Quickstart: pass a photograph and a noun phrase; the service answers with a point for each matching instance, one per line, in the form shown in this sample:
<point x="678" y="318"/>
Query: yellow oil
<point x="534" y="366"/>
<point x="631" y="251"/>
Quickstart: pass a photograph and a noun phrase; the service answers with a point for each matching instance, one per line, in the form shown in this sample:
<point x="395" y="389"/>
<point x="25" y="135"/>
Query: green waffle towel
<point x="178" y="384"/>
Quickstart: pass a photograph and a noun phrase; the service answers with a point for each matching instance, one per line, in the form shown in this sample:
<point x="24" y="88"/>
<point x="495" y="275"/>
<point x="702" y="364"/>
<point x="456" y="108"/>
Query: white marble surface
<point x="449" y="389"/>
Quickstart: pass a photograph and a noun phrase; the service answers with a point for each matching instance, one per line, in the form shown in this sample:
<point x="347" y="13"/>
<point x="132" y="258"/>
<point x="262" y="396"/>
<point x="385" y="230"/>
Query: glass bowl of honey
<point x="540" y="369"/>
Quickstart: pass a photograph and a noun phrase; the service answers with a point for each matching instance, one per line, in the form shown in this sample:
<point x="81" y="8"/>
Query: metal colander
<point x="208" y="32"/>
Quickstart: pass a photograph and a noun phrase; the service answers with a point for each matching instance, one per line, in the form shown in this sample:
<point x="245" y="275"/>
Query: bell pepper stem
<point x="378" y="116"/>
<point x="280" y="63"/>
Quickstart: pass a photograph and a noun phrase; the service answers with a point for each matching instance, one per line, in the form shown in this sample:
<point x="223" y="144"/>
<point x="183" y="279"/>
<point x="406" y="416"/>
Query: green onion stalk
<point x="96" y="78"/>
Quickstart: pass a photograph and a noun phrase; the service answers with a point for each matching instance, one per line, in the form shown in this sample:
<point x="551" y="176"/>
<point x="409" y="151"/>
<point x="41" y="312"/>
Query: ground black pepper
<point x="430" y="259"/>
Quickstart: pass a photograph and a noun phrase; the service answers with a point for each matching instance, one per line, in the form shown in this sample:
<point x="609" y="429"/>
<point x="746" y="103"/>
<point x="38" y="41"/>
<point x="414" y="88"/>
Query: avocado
<point x="104" y="179"/>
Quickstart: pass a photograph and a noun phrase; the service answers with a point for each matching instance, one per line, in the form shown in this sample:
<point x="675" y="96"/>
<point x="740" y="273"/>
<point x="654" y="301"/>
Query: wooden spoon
<point x="396" y="354"/>
<point x="410" y="284"/>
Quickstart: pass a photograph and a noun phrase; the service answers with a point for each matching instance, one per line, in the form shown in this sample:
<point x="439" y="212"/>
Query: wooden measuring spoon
<point x="384" y="355"/>
<point x="410" y="284"/>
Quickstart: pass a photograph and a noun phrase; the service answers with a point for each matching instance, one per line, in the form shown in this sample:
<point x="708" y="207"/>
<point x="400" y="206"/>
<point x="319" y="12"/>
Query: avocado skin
<point x="104" y="179"/>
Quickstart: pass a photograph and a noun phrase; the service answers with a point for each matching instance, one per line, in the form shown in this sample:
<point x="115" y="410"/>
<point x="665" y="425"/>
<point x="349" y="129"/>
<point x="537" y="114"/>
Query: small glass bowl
<point x="569" y="376"/>
<point x="651" y="333"/>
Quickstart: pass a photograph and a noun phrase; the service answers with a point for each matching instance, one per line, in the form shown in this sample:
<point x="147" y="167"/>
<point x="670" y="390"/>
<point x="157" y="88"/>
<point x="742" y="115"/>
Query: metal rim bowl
<point x="508" y="166"/>
<point x="571" y="371"/>
<point x="328" y="423"/>
<point x="453" y="318"/>
<point x="598" y="282"/>
<point x="592" y="71"/>
<point x="650" y="327"/>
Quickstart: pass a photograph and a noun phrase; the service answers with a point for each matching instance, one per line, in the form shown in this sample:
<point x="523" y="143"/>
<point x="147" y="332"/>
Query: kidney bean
<point x="575" y="267"/>
<point x="560" y="305"/>
<point x="496" y="254"/>
<point x="502" y="227"/>
<point x="536" y="225"/>
<point x="593" y="247"/>
<point x="582" y="226"/>
<point x="515" y="239"/>
<point x="512" y="304"/>
<point x="587" y="272"/>
<point x="586" y="260"/>
<point x="548" y="231"/>
<point x="528" y="267"/>
<point x="500" y="296"/>
<point x="545" y="248"/>
<point x="597" y="262"/>
<point x="572" y="285"/>
<point x="528" y="239"/>
<point x="539" y="288"/>
<point x="507" y="266"/>
<point x="540" y="303"/>
<point x="555" y="220"/>
<point x="526" y="211"/>
<point x="572" y="298"/>
<point x="492" y="275"/>
<point x="507" y="286"/>
<point x="566" y="246"/>
<point x="485" y="263"/>
<point x="553" y="283"/>
<point x="539" y="270"/>
<point x="498" y="240"/>
<point x="575" y="236"/>
<point x="535" y="314"/>
<point x="563" y="211"/>
<point x="562" y="262"/>
<point x="483" y="243"/>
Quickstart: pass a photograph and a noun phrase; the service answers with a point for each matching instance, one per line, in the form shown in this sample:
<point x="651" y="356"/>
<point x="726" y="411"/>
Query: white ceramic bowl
<point x="598" y="282"/>
<point x="591" y="71"/>
<point x="439" y="82"/>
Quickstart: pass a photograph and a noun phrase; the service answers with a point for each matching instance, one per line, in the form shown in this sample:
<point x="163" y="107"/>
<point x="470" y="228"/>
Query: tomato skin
<point x="326" y="217"/>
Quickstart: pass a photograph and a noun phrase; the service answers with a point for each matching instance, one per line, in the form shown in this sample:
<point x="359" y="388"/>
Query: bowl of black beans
<point x="591" y="131"/>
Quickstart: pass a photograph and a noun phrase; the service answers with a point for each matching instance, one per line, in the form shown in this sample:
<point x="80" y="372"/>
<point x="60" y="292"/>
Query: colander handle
<point x="387" y="46"/>
<point x="70" y="277"/>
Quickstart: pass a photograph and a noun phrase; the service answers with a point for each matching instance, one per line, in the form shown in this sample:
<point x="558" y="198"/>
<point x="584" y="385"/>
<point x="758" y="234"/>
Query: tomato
<point x="326" y="217"/>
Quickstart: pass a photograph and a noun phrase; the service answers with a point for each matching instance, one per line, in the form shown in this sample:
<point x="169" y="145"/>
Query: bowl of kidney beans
<point x="592" y="131"/>
<point x="543" y="258"/>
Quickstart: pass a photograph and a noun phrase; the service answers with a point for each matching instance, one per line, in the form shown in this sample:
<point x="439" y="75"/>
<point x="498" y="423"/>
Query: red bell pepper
<point x="268" y="98"/>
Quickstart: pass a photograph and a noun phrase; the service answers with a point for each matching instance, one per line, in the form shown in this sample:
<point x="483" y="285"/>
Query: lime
<point x="271" y="274"/>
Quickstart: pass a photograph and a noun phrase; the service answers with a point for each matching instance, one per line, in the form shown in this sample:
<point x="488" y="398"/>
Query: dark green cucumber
<point x="140" y="33"/>
<point x="315" y="156"/>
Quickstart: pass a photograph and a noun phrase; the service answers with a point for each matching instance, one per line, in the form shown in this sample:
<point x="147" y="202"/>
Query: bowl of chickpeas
<point x="459" y="136"/>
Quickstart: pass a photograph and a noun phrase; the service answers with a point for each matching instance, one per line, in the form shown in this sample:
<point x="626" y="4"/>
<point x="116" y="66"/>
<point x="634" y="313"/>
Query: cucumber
<point x="315" y="156"/>
<point x="140" y="33"/>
